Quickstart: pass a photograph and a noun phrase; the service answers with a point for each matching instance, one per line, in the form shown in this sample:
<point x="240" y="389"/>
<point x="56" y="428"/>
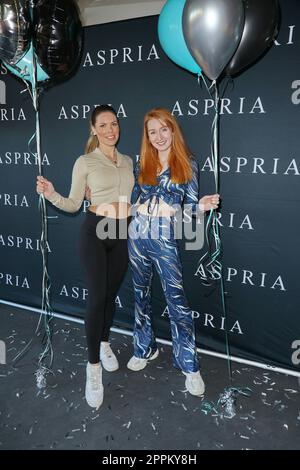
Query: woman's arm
<point x="206" y="203"/>
<point x="76" y="196"/>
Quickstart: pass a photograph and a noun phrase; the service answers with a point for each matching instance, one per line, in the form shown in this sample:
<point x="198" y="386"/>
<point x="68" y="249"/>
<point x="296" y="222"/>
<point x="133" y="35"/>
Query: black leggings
<point x="105" y="263"/>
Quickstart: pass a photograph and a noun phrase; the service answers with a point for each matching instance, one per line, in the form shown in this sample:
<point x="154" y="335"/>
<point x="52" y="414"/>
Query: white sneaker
<point x="194" y="383"/>
<point x="138" y="363"/>
<point x="94" y="387"/>
<point x="108" y="358"/>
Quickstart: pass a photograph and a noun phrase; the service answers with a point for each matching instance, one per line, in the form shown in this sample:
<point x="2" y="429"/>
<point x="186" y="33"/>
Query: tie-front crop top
<point x="108" y="182"/>
<point x="170" y="193"/>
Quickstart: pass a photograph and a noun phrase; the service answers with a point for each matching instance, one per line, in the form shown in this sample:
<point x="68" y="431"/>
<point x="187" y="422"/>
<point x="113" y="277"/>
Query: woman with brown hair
<point x="104" y="254"/>
<point x="166" y="180"/>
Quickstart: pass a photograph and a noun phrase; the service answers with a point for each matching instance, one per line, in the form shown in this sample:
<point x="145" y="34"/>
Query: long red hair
<point x="179" y="156"/>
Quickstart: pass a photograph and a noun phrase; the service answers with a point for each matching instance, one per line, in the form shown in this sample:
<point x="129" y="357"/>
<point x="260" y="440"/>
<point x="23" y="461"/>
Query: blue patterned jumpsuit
<point x="152" y="244"/>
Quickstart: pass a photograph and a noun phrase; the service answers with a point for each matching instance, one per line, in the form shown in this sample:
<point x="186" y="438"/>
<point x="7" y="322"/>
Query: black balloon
<point x="15" y="30"/>
<point x="57" y="36"/>
<point x="260" y="30"/>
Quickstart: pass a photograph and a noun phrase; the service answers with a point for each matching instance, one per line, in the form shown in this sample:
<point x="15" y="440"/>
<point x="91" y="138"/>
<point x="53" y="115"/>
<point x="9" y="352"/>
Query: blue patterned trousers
<point x="152" y="244"/>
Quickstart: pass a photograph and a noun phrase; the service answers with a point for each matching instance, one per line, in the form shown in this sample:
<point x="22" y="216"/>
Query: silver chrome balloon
<point x="212" y="31"/>
<point x="14" y="30"/>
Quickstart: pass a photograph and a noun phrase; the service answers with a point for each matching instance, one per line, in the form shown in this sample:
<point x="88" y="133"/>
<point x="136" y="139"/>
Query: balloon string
<point x="213" y="269"/>
<point x="46" y="314"/>
<point x="46" y="284"/>
<point x="45" y="360"/>
<point x="226" y="404"/>
<point x="210" y="265"/>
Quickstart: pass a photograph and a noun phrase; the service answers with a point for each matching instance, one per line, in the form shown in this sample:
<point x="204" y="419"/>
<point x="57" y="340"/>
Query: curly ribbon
<point x="226" y="404"/>
<point x="46" y="314"/>
<point x="45" y="359"/>
<point x="211" y="268"/>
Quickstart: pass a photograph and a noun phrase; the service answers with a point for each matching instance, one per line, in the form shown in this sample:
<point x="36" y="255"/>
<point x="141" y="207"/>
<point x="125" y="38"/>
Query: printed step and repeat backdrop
<point x="124" y="65"/>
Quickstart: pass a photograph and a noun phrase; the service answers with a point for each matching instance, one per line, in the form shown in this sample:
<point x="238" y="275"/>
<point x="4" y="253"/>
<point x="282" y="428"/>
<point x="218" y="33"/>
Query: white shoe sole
<point x="93" y="404"/>
<point x="143" y="365"/>
<point x="109" y="369"/>
<point x="194" y="393"/>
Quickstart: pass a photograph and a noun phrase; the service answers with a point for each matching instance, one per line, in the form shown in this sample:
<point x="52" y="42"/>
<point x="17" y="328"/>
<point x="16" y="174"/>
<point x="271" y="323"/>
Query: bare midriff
<point x="162" y="209"/>
<point x="113" y="210"/>
<point x="122" y="210"/>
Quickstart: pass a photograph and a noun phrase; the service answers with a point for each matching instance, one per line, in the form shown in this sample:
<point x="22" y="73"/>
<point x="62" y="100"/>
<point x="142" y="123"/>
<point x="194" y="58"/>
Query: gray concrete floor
<point x="147" y="410"/>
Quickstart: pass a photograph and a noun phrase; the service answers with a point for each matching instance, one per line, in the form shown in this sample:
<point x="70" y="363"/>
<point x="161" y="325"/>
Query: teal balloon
<point x="24" y="68"/>
<point x="171" y="37"/>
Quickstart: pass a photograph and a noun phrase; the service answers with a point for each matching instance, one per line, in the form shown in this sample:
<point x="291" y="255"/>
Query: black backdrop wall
<point x="124" y="65"/>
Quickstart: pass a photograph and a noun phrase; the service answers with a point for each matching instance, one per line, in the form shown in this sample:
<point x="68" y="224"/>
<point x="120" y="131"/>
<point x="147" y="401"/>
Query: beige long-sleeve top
<point x="108" y="182"/>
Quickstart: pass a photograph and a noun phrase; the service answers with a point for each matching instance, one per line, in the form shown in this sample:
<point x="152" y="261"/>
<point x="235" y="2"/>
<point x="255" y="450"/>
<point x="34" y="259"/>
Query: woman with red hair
<point x="166" y="180"/>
